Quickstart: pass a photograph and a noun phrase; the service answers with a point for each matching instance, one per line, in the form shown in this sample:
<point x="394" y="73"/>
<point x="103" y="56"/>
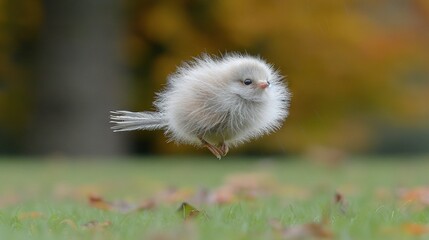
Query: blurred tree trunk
<point x="81" y="79"/>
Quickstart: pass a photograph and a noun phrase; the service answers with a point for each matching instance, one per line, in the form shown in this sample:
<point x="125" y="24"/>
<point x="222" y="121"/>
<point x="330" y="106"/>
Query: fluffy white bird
<point x="215" y="102"/>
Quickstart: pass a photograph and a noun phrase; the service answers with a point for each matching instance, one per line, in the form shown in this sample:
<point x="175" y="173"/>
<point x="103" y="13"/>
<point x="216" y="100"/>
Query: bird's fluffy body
<point x="208" y="99"/>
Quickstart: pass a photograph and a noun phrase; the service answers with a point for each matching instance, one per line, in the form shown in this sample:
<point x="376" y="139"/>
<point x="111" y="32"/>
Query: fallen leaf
<point x="96" y="225"/>
<point x="188" y="211"/>
<point x="99" y="202"/>
<point x="340" y="202"/>
<point x="239" y="186"/>
<point x="302" y="231"/>
<point x="417" y="195"/>
<point x="119" y="206"/>
<point x="415" y="229"/>
<point x="30" y="215"/>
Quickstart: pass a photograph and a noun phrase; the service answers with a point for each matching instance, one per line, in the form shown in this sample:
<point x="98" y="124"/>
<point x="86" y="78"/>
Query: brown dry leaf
<point x="241" y="186"/>
<point x="417" y="195"/>
<point x="338" y="198"/>
<point x="119" y="206"/>
<point x="96" y="225"/>
<point x="99" y="202"/>
<point x="340" y="202"/>
<point x="302" y="231"/>
<point x="415" y="229"/>
<point x="30" y="215"/>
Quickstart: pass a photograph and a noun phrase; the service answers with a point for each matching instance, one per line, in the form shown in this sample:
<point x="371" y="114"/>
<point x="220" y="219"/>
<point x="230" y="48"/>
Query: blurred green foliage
<point x="352" y="66"/>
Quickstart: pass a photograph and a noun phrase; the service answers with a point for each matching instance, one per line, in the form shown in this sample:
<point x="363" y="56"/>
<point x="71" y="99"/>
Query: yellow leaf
<point x="188" y="211"/>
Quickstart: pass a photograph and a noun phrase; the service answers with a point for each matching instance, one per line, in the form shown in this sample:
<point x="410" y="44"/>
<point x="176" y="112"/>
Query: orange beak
<point x="263" y="85"/>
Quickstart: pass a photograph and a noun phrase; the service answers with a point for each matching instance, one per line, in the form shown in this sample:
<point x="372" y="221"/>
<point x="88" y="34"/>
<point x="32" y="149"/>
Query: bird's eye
<point x="247" y="81"/>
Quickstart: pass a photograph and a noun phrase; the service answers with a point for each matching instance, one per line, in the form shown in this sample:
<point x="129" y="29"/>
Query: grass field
<point x="378" y="198"/>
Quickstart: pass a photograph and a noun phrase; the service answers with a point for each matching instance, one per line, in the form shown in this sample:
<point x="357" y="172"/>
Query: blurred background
<point x="358" y="71"/>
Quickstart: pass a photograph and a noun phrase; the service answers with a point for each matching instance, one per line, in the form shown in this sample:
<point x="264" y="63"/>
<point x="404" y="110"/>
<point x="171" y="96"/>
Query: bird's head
<point x="251" y="78"/>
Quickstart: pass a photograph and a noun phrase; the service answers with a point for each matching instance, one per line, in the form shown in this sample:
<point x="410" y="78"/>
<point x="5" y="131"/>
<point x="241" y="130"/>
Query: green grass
<point x="58" y="190"/>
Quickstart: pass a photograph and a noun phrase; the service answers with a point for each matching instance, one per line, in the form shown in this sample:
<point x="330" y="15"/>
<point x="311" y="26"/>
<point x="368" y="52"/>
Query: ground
<point x="234" y="198"/>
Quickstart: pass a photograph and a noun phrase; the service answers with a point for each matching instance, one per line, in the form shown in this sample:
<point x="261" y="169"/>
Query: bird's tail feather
<point x="129" y="121"/>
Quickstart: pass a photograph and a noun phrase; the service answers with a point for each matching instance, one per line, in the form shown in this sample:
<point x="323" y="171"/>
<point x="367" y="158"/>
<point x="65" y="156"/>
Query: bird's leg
<point x="224" y="148"/>
<point x="215" y="150"/>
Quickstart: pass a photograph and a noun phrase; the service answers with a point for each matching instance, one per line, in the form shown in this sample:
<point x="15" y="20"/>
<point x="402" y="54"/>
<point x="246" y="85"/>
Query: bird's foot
<point x="224" y="148"/>
<point x="218" y="152"/>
